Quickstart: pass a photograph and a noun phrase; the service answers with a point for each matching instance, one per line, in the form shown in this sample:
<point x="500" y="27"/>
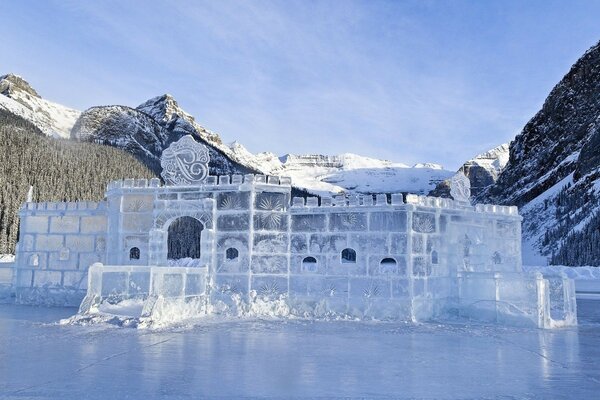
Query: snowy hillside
<point x="351" y="173"/>
<point x="150" y="127"/>
<point x="19" y="98"/>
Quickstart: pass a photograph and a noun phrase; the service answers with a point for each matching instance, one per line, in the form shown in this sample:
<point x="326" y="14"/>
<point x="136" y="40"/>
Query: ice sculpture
<point x="240" y="245"/>
<point x="460" y="187"/>
<point x="185" y="162"/>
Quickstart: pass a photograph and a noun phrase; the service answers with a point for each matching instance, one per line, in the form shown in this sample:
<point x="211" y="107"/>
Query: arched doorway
<point x="184" y="238"/>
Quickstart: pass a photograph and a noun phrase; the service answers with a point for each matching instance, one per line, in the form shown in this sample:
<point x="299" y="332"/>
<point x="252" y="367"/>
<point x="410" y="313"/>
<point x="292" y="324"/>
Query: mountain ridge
<point x="553" y="172"/>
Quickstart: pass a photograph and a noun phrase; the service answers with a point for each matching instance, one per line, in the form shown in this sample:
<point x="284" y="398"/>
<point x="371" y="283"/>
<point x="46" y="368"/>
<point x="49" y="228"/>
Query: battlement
<point x="397" y="199"/>
<point x="221" y="180"/>
<point x="64" y="206"/>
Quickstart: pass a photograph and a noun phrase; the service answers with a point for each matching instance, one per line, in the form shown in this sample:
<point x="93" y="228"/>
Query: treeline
<point x="58" y="170"/>
<point x="581" y="247"/>
<point x="575" y="239"/>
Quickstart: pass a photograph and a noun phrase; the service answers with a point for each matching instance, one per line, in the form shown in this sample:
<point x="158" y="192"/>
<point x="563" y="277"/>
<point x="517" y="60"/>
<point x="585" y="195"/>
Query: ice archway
<point x="184" y="238"/>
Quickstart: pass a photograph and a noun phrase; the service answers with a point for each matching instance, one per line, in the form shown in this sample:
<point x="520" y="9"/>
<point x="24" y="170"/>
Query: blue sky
<point x="409" y="81"/>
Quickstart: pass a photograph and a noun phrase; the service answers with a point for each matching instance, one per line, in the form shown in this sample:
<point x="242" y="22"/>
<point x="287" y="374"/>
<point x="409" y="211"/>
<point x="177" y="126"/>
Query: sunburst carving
<point x="270" y="220"/>
<point x="371" y="291"/>
<point x="270" y="204"/>
<point x="269" y="289"/>
<point x="231" y="203"/>
<point x="349" y="219"/>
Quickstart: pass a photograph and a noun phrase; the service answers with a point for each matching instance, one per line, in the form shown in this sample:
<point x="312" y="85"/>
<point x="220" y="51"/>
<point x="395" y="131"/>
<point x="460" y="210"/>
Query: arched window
<point x="348" y="256"/>
<point x="309" y="264"/>
<point x="184" y="238"/>
<point x="388" y="261"/>
<point x="231" y="254"/>
<point x="434" y="257"/>
<point x="387" y="265"/>
<point x="134" y="253"/>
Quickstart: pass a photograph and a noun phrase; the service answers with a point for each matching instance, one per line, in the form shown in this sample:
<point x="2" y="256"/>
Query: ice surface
<point x="270" y="359"/>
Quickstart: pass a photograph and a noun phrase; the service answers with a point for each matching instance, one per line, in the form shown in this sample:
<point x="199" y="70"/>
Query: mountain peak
<point x="163" y="108"/>
<point x="10" y="84"/>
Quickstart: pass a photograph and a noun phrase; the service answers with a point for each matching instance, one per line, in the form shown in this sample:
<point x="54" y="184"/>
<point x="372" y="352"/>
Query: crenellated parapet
<point x="397" y="199"/>
<point x="211" y="181"/>
<point x="71" y="207"/>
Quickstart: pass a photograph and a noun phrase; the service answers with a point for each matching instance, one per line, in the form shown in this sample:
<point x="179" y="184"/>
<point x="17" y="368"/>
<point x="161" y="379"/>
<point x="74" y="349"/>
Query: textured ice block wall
<point x="351" y="256"/>
<point x="252" y="246"/>
<point x="58" y="242"/>
<point x="406" y="255"/>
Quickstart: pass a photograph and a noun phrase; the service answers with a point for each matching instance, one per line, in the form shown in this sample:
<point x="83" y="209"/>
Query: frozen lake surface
<point x="44" y="360"/>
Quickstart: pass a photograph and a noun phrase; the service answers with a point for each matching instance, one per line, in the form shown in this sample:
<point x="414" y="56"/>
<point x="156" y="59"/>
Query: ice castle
<point x="201" y="245"/>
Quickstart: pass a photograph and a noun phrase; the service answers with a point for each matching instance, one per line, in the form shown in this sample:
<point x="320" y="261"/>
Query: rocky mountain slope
<point x="145" y="135"/>
<point x="554" y="170"/>
<point x="483" y="170"/>
<point x="148" y="129"/>
<point x="19" y="98"/>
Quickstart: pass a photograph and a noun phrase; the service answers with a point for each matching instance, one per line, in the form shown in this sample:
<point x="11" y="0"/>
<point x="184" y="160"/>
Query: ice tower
<point x="203" y="244"/>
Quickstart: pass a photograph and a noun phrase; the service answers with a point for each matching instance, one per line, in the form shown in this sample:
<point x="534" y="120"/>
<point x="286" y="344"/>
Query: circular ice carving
<point x="460" y="187"/>
<point x="185" y="162"/>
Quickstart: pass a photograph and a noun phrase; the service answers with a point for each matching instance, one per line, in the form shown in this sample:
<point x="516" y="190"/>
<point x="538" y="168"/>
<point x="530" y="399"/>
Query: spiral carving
<point x="184" y="162"/>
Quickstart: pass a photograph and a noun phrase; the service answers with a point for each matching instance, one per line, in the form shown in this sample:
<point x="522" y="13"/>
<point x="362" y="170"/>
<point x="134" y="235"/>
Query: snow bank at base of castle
<point x="7" y="258"/>
<point x="577" y="273"/>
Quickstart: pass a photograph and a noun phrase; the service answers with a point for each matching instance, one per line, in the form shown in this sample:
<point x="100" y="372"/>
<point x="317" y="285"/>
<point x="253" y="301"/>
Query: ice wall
<point x="58" y="242"/>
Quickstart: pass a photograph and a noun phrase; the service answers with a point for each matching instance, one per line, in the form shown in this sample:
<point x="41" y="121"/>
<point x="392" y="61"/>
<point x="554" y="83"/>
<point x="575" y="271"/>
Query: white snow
<point x="494" y="159"/>
<point x="577" y="273"/>
<point x="347" y="173"/>
<point x="51" y="118"/>
<point x="7" y="258"/>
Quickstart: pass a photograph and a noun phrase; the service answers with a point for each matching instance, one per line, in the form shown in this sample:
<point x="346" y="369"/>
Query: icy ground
<point x="44" y="360"/>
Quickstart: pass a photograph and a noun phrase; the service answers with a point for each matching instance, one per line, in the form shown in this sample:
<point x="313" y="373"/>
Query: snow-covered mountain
<point x="348" y="173"/>
<point x="482" y="170"/>
<point x="146" y="136"/>
<point x="19" y="98"/>
<point x="553" y="172"/>
<point x="153" y="125"/>
<point x="148" y="129"/>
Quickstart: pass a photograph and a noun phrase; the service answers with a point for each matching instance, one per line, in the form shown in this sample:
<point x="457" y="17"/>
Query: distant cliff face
<point x="548" y="149"/>
<point x="553" y="169"/>
<point x="482" y="171"/>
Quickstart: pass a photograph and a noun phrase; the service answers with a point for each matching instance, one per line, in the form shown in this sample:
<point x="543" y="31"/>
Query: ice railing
<point x="211" y="180"/>
<point x="397" y="199"/>
<point x="115" y="283"/>
<point x="517" y="299"/>
<point x="65" y="206"/>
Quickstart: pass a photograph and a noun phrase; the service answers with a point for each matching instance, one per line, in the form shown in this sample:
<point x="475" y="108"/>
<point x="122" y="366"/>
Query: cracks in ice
<point x="83" y="368"/>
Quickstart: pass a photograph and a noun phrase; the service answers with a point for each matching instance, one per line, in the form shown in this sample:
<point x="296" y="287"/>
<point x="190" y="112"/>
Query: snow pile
<point x="7" y="258"/>
<point x="584" y="273"/>
<point x="186" y="262"/>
